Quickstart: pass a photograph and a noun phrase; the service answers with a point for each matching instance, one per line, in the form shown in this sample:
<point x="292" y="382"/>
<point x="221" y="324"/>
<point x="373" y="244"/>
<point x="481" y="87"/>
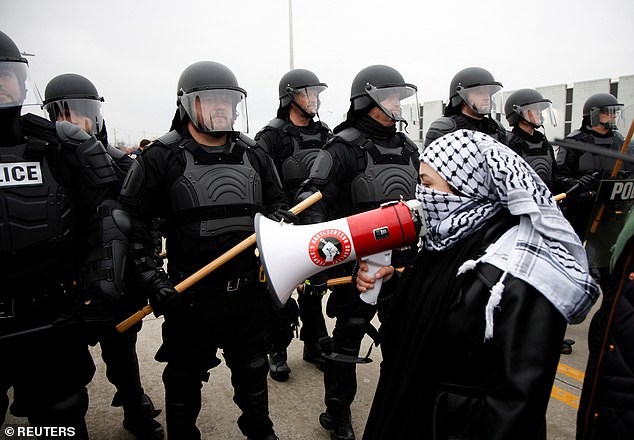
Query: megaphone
<point x="291" y="254"/>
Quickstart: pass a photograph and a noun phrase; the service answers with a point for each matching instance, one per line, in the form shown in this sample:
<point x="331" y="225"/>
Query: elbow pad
<point x="133" y="181"/>
<point x="439" y="128"/>
<point x="96" y="163"/>
<point x="106" y="265"/>
<point x="321" y="168"/>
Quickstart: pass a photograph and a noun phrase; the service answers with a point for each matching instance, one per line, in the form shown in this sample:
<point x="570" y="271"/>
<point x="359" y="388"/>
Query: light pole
<point x="290" y="34"/>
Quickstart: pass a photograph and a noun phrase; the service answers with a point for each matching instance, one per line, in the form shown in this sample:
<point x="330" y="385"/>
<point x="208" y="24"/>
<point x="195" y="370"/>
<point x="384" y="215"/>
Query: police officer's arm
<point x="141" y="196"/>
<point x="271" y="142"/>
<point x="274" y="199"/>
<point x="95" y="189"/>
<point x="331" y="171"/>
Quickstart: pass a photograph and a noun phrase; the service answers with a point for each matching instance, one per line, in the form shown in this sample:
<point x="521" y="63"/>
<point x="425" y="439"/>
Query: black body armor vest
<point x="36" y="230"/>
<point x="219" y="196"/>
<point x="536" y="154"/>
<point x="389" y="173"/>
<point x="305" y="144"/>
<point x="595" y="162"/>
<point x="35" y="209"/>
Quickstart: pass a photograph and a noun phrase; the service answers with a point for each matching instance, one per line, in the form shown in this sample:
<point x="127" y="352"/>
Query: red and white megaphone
<point x="291" y="254"/>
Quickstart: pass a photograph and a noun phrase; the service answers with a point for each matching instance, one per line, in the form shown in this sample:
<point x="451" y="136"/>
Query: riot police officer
<point x="599" y="127"/>
<point x="526" y="111"/>
<point x="207" y="180"/>
<point x="366" y="163"/>
<point x="74" y="98"/>
<point x="469" y="106"/>
<point x="293" y="140"/>
<point x="62" y="244"/>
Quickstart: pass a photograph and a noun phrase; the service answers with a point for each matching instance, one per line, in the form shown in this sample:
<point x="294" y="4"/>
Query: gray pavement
<point x="295" y="405"/>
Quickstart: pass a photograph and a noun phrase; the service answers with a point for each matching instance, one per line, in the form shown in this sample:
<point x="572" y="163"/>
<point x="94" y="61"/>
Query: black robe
<point x="439" y="378"/>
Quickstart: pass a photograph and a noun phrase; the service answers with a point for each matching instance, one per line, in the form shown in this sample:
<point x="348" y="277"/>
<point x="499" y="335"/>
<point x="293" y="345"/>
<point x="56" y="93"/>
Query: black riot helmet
<point x="298" y="82"/>
<point x="600" y="103"/>
<point x="529" y="105"/>
<point x="209" y="95"/>
<point x="12" y="63"/>
<point x="375" y="84"/>
<point x="73" y="98"/>
<point x="467" y="85"/>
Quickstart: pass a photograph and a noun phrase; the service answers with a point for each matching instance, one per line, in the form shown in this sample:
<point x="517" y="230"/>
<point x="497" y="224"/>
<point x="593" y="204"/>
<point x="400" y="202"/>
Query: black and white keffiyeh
<point x="543" y="250"/>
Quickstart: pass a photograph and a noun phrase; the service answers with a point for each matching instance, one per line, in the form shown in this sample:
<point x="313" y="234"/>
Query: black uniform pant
<point x="312" y="316"/>
<point x="207" y="319"/>
<point x="283" y="324"/>
<point x="48" y="369"/>
<point x="118" y="351"/>
<point x="353" y="318"/>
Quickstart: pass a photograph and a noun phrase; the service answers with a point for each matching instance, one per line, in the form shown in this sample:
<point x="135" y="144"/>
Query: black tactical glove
<point x="97" y="316"/>
<point x="588" y="182"/>
<point x="161" y="293"/>
<point x="283" y="215"/>
<point x="317" y="285"/>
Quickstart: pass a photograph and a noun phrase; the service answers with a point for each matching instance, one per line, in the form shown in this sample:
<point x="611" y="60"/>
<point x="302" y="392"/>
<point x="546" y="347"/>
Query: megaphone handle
<point x="375" y="262"/>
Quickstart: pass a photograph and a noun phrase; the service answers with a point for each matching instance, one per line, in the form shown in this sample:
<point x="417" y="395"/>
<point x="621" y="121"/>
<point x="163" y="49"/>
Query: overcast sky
<point x="135" y="50"/>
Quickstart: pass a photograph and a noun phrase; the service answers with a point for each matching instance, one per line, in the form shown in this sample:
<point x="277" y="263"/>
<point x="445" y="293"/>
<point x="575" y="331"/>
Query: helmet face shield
<point x="391" y="99"/>
<point x="480" y="98"/>
<point x="16" y="87"/>
<point x="213" y="110"/>
<point x="607" y="116"/>
<point x="307" y="98"/>
<point x="537" y="114"/>
<point x="85" y="113"/>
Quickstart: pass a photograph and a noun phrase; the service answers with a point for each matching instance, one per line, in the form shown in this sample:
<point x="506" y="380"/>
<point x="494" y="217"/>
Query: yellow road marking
<point x="570" y="372"/>
<point x="565" y="397"/>
<point x="562" y="395"/>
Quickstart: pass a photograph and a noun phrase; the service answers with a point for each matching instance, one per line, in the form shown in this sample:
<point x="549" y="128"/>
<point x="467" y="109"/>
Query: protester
<point x="472" y="340"/>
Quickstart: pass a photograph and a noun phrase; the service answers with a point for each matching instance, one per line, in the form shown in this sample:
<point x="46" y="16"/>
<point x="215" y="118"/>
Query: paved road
<point x="295" y="405"/>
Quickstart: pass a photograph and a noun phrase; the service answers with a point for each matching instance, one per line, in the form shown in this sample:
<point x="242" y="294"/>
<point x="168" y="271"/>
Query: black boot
<point x="566" y="346"/>
<point x="182" y="403"/>
<point x="312" y="354"/>
<point x="340" y="426"/>
<point x="278" y="367"/>
<point x="138" y="418"/>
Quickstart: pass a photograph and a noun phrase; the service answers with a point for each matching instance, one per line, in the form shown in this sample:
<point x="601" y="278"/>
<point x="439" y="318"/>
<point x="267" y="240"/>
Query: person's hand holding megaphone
<point x="364" y="280"/>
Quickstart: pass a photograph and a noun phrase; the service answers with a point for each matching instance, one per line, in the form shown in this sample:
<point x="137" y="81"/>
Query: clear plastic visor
<point x="85" y="113"/>
<point x="216" y="110"/>
<point x="607" y="116"/>
<point x="537" y="113"/>
<point x="16" y="87"/>
<point x="480" y="98"/>
<point x="308" y="99"/>
<point x="392" y="99"/>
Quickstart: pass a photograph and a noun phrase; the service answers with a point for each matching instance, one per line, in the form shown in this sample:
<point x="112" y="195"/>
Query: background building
<point x="567" y="101"/>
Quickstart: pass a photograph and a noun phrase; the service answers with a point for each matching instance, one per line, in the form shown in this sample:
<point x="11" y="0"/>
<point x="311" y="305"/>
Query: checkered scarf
<point x="543" y="250"/>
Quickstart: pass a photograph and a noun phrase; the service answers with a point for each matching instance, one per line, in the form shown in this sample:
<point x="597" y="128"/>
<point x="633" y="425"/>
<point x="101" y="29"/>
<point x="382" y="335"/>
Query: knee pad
<point x="348" y="334"/>
<point x="176" y="378"/>
<point x="250" y="374"/>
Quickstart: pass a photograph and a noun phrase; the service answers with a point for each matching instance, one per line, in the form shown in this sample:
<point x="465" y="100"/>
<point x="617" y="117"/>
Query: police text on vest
<point x="20" y="174"/>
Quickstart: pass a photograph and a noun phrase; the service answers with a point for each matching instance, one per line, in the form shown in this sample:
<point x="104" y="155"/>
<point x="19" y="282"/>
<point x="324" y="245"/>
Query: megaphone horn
<point x="291" y="254"/>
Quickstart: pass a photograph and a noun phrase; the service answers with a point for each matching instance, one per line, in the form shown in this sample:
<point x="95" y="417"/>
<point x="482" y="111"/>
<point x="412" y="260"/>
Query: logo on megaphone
<point x="291" y="254"/>
<point x="329" y="247"/>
